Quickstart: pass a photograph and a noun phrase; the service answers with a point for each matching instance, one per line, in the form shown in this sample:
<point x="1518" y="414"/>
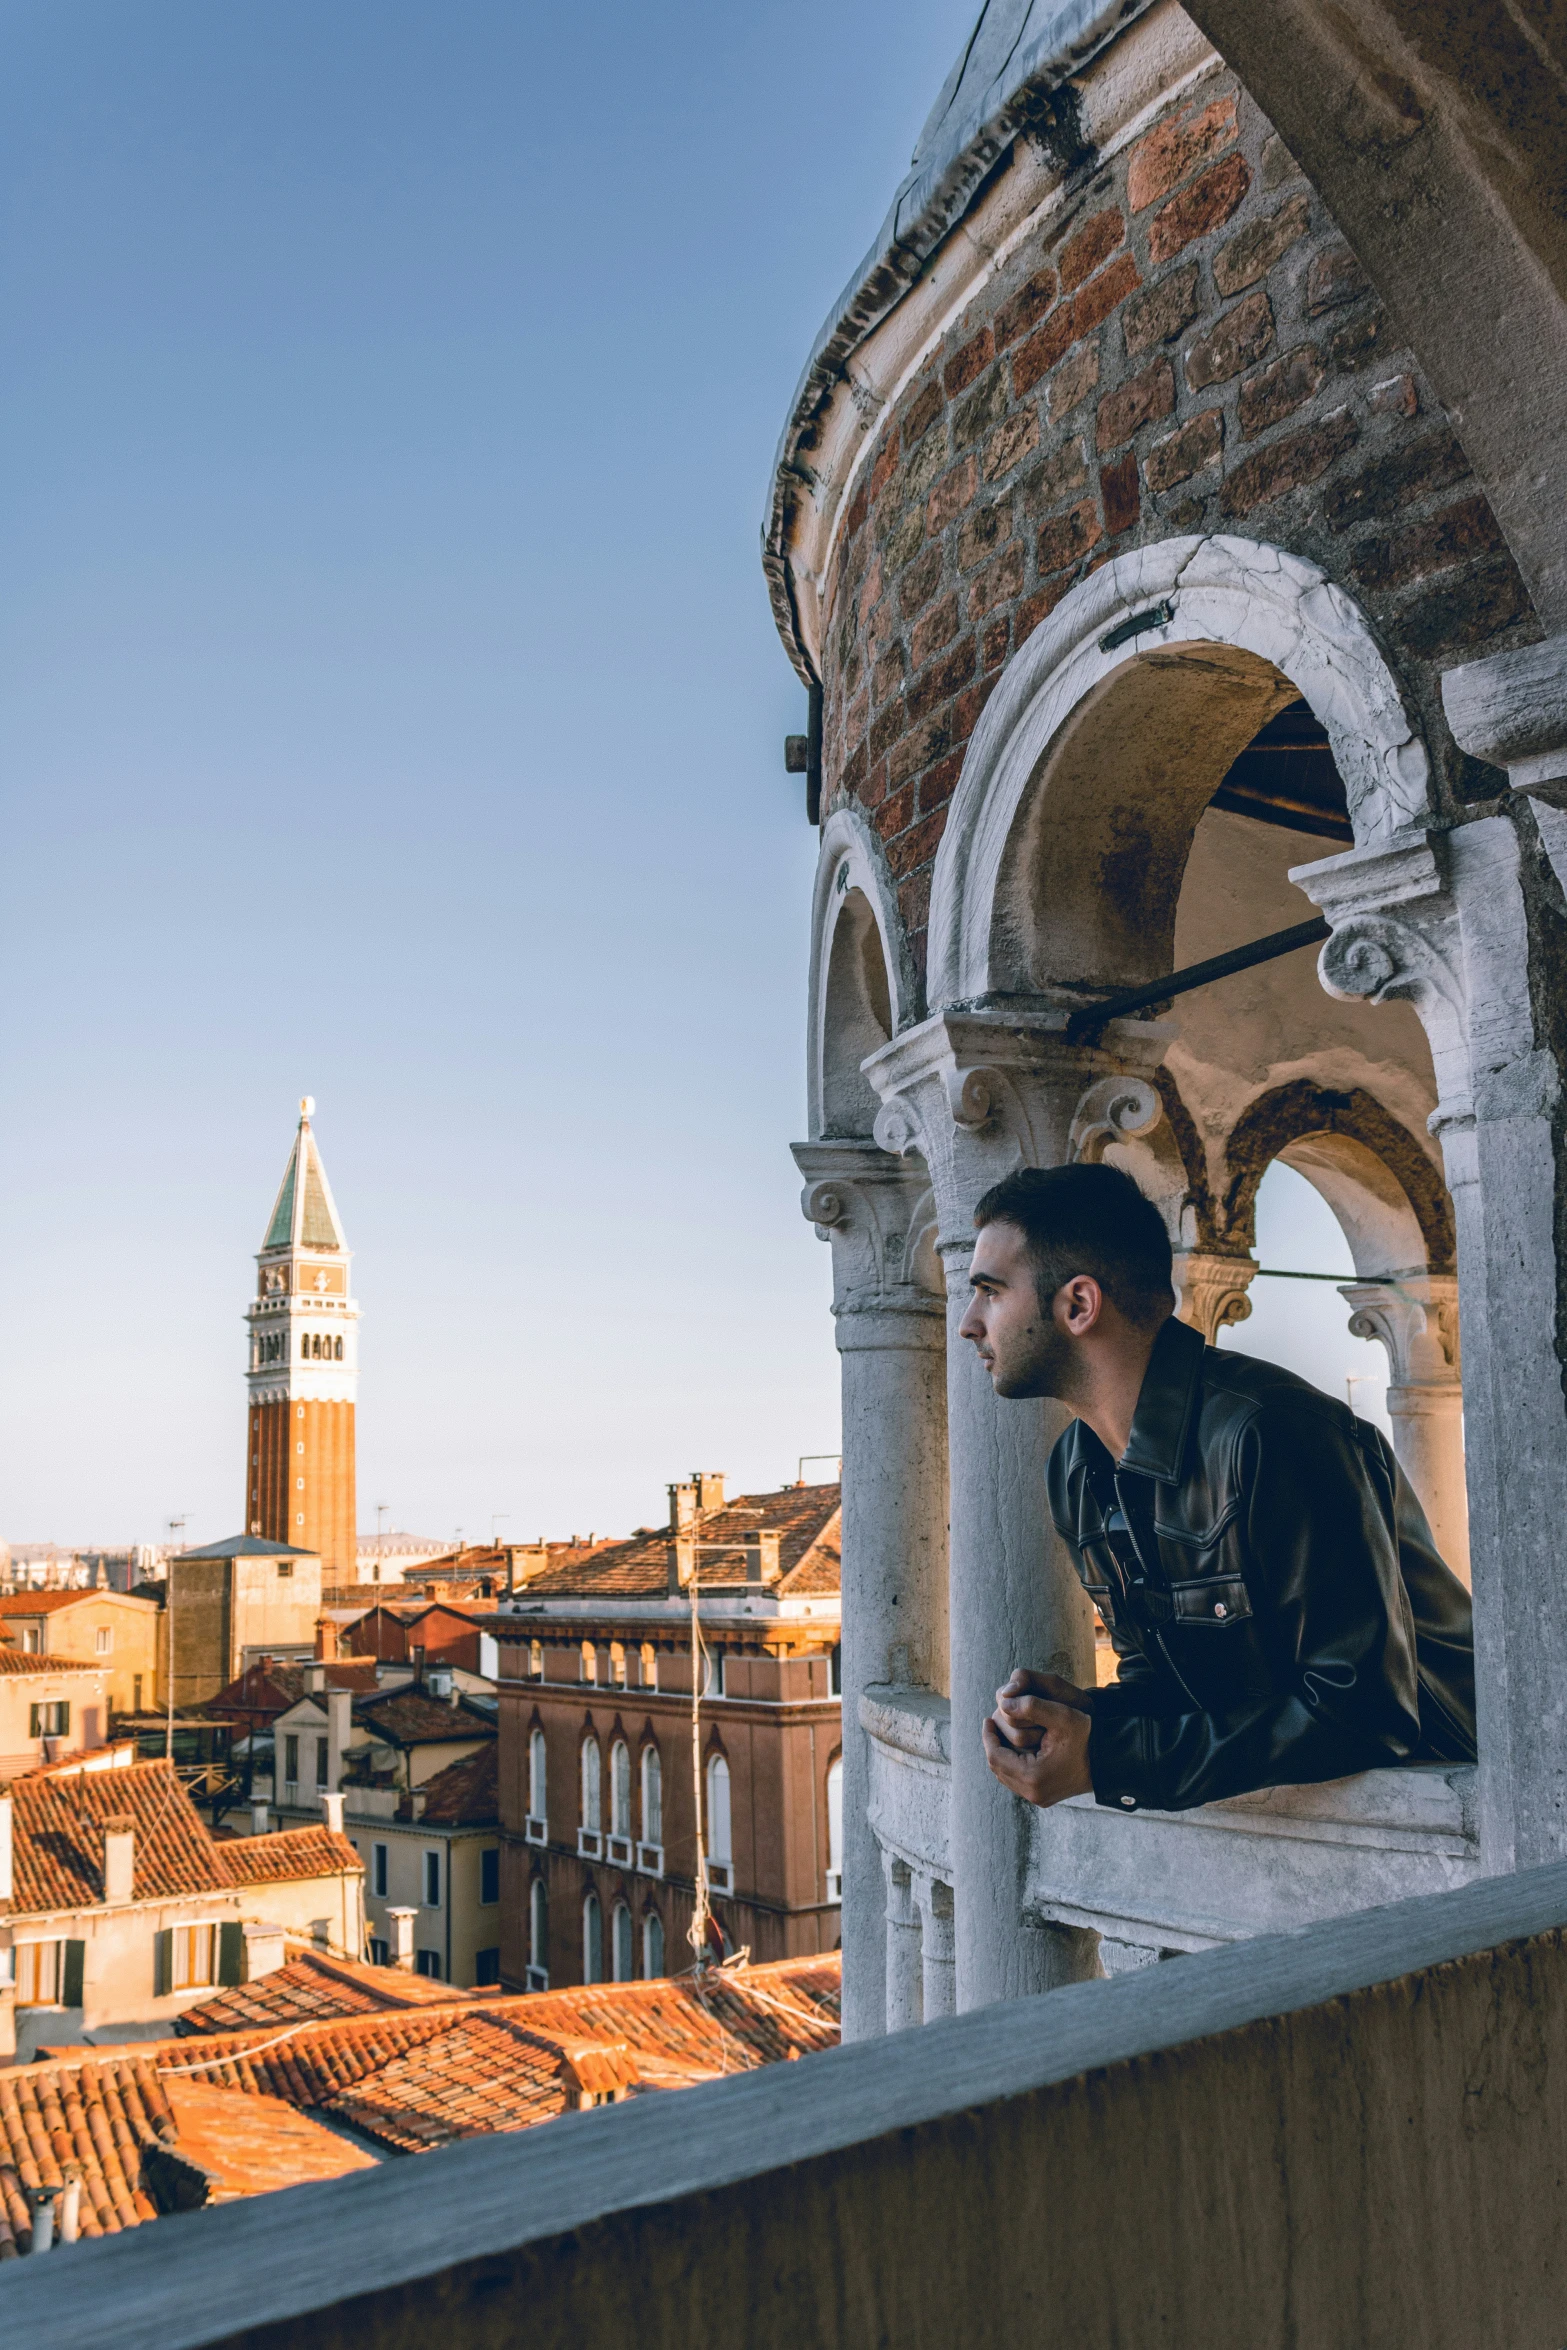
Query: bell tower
<point x="304" y="1372"/>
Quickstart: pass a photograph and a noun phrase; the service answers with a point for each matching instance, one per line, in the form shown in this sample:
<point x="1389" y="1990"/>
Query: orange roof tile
<point x="57" y="1841"/>
<point x="46" y="1603"/>
<point x="466" y="1794"/>
<point x="413" y="2080"/>
<point x="15" y="1660"/>
<point x="805" y="1517"/>
<point x="255" y="2145"/>
<point x="316" y="1988"/>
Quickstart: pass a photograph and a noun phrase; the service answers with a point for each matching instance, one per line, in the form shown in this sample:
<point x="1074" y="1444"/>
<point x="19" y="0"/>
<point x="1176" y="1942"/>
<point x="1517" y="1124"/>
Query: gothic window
<point x="652" y="1946"/>
<point x="617" y="1665"/>
<point x="649" y="1665"/>
<point x="536" y="1776"/>
<point x="538" y="1925"/>
<point x="652" y="1797"/>
<point x="536" y="1660"/>
<point x="590" y="1661"/>
<point x="337" y="1349"/>
<point x="592" y="1940"/>
<point x="620" y="1942"/>
<point x="620" y="1794"/>
<point x="718" y="1837"/>
<point x="304" y="1356"/>
<point x="590" y="1784"/>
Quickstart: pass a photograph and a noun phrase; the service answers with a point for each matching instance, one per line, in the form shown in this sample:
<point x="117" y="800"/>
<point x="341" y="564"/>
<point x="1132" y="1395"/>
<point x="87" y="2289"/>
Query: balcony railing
<point x="1376" y="2100"/>
<point x="650" y="1859"/>
<point x="618" y="1852"/>
<point x="720" y="1876"/>
<point x="590" y="1844"/>
<point x="535" y="1831"/>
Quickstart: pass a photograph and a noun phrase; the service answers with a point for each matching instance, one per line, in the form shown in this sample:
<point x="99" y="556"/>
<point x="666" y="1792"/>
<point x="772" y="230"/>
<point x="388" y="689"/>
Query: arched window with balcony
<point x="591" y="1770"/>
<point x="621" y="1942"/>
<point x="538" y="1927"/>
<point x="718" y="1827"/>
<point x="835" y="1830"/>
<point x="592" y="1939"/>
<point x="652" y="1796"/>
<point x="537" y="1777"/>
<point x="652" y="1946"/>
<point x="620" y="1789"/>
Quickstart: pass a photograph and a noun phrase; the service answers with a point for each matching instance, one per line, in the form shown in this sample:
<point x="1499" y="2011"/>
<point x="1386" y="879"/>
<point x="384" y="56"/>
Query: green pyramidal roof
<point x="305" y="1177"/>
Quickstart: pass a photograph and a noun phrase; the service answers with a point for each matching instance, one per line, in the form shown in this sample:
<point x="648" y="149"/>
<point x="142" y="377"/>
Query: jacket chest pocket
<point x="1209" y="1602"/>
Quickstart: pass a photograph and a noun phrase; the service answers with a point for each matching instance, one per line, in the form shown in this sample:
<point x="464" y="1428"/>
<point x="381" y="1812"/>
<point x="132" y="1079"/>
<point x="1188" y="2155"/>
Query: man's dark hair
<point x="1087" y="1220"/>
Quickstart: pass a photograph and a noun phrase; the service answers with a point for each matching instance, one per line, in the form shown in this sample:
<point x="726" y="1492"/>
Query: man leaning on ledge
<point x="1277" y="1605"/>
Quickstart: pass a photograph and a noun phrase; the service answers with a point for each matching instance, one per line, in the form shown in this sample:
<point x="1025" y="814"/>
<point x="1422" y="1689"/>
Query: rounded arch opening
<point x="856" y="1017"/>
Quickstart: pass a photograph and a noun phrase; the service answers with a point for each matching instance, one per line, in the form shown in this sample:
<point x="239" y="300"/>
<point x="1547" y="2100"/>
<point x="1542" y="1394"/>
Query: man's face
<point x="1020" y="1345"/>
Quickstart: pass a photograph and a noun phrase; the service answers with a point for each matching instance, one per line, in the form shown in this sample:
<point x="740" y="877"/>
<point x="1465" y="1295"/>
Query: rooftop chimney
<point x="761" y="1555"/>
<point x="332" y="1809"/>
<point x="326" y="1641"/>
<point x="682" y="1507"/>
<point x="401" y="1922"/>
<point x="339" y="1730"/>
<point x="315" y="1679"/>
<point x="260" y="1818"/>
<point x="119" y="1859"/>
<point x="266" y="1948"/>
<point x="709" y="1485"/>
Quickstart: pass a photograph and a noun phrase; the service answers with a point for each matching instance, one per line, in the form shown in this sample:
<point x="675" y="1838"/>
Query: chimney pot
<point x="332" y="1809"/>
<point x="401" y="1922"/>
<point x="260" y="1818"/>
<point x="119" y="1859"/>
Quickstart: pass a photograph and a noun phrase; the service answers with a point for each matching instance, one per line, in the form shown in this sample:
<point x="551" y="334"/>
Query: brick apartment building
<point x="598" y="1800"/>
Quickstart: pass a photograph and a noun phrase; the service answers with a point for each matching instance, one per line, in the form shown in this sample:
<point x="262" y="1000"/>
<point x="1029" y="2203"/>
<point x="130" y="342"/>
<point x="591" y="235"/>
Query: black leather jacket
<point x="1269" y="1583"/>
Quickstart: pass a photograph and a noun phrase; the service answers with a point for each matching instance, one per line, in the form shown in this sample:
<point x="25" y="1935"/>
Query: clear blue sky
<point x="393" y="712"/>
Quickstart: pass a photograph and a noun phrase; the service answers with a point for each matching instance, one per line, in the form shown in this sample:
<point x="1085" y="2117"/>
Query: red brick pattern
<point x="1188" y="346"/>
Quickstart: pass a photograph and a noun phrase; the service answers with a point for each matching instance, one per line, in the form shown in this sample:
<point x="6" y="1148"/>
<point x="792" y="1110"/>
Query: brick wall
<point x="1188" y="345"/>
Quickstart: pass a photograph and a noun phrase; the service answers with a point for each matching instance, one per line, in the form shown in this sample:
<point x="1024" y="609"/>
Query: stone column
<point x="937" y="1949"/>
<point x="905" y="1971"/>
<point x="887" y="1305"/>
<point x="1461" y="923"/>
<point x="1416" y="1319"/>
<point x="977" y="1095"/>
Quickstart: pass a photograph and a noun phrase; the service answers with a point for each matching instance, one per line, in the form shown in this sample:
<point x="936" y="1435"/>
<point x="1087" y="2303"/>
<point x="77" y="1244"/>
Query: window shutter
<point x="72" y="1953"/>
<point x="163" y="1962"/>
<point x="231" y="1952"/>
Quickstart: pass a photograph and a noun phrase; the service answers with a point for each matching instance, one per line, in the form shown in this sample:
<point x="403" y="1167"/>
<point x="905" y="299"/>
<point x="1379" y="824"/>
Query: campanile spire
<point x="304" y="1370"/>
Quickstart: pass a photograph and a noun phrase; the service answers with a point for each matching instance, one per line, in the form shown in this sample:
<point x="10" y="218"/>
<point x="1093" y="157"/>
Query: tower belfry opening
<point x="304" y="1369"/>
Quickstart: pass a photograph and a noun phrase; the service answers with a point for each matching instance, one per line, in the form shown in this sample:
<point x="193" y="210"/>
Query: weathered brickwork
<point x="1189" y="346"/>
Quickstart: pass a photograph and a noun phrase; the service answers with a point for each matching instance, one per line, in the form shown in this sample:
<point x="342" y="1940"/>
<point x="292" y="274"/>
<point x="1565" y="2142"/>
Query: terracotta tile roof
<point x="98" y="2111"/>
<point x="804" y="1516"/>
<point x="266" y="1690"/>
<point x="57" y="1841"/>
<point x="97" y="2114"/>
<point x="14" y="1660"/>
<point x="412" y="2081"/>
<point x="255" y="2145"/>
<point x="466" y="1794"/>
<point x="286" y="1856"/>
<point x="315" y="1988"/>
<point x="407" y="1717"/>
<point x="46" y="1603"/>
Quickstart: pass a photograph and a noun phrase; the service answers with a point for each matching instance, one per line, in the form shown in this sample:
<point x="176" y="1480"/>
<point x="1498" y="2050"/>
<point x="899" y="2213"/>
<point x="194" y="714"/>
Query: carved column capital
<point x="1213" y="1290"/>
<point x="876" y="1211"/>
<point x="1415" y="1317"/>
<point x="979" y="1093"/>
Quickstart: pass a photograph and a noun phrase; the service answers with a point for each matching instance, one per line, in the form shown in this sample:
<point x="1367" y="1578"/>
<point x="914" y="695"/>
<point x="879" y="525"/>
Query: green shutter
<point x="163" y="1962"/>
<point x="231" y="1953"/>
<point x="71" y="1974"/>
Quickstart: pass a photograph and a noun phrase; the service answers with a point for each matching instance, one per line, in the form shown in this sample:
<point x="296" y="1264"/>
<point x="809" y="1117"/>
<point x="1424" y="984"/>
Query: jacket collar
<point x="1166" y="1404"/>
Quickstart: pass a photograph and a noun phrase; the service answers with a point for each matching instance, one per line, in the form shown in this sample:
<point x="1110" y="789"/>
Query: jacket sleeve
<point x="1332" y="1619"/>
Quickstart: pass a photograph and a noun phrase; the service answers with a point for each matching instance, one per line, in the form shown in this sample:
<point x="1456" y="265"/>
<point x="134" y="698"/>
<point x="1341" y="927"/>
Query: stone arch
<point x="1388" y="1197"/>
<point x="862" y="986"/>
<point x="1061" y="863"/>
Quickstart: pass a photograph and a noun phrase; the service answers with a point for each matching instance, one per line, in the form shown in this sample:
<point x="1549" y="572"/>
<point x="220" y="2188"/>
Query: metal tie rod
<point x="1158" y="991"/>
